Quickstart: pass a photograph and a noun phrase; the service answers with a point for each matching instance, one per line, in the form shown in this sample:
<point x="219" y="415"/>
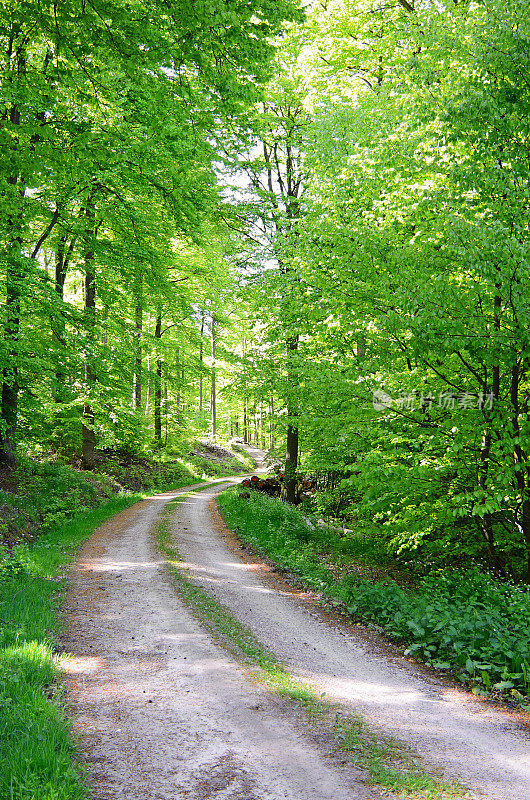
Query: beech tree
<point x="110" y="105"/>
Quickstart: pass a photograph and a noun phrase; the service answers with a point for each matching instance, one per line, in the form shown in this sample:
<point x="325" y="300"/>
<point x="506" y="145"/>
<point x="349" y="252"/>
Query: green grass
<point x="386" y="761"/>
<point x="463" y="621"/>
<point x="37" y="753"/>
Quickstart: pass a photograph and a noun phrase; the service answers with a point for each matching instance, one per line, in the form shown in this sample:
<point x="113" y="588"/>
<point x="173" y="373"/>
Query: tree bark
<point x="291" y="453"/>
<point x="213" y="399"/>
<point x="272" y="442"/>
<point x="245" y="422"/>
<point x="201" y="367"/>
<point x="158" y="385"/>
<point x="88" y="443"/>
<point x="14" y="283"/>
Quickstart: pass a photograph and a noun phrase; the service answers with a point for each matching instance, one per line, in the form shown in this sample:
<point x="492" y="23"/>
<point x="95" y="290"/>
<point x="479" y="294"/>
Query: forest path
<point x="163" y="713"/>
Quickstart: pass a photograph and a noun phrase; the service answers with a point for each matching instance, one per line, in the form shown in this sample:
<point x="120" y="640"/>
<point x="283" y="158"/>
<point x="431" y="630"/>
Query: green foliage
<point x="463" y="620"/>
<point x="403" y="268"/>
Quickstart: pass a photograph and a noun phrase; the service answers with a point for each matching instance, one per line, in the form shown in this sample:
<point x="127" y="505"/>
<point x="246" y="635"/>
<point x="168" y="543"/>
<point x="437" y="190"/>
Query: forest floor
<point x="164" y="712"/>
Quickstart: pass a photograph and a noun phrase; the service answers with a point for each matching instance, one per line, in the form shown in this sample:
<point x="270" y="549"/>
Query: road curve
<point x="160" y="711"/>
<point x="486" y="749"/>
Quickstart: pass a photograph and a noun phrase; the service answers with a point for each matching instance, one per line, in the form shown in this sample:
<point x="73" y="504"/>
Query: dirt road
<point x="160" y="710"/>
<point x="164" y="713"/>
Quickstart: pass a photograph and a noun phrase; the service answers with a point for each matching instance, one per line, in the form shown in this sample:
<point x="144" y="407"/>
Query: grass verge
<point x="466" y="622"/>
<point x="37" y="753"/>
<point x="388" y="762"/>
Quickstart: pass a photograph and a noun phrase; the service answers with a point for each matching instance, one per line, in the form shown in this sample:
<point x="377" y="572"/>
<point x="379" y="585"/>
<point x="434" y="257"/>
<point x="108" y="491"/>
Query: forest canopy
<point x="305" y="229"/>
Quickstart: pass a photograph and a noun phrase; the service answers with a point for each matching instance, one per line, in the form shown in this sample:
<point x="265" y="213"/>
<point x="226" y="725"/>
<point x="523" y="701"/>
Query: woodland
<point x="305" y="228"/>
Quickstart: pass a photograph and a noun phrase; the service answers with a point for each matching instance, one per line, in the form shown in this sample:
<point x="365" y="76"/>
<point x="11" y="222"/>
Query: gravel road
<point x="486" y="749"/>
<point x="164" y="713"/>
<point x="160" y="711"/>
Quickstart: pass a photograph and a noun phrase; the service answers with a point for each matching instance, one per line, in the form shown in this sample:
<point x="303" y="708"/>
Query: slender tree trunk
<point x="178" y="375"/>
<point x="261" y="426"/>
<point x="57" y="320"/>
<point x="88" y="444"/>
<point x="14" y="283"/>
<point x="165" y="414"/>
<point x="148" y="390"/>
<point x="201" y="368"/>
<point x="291" y="453"/>
<point x="521" y="461"/>
<point x="272" y="442"/>
<point x="486" y="521"/>
<point x="213" y="399"/>
<point x="10" y="387"/>
<point x="158" y="384"/>
<point x="245" y="422"/>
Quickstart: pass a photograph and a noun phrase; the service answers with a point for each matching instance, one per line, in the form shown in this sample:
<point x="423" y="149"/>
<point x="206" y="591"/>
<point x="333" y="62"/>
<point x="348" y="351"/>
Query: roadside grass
<point x="388" y="762"/>
<point x="37" y="752"/>
<point x="462" y="621"/>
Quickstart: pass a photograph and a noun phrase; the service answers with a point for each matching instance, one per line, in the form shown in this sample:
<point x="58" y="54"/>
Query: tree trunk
<point x="521" y="461"/>
<point x="213" y="400"/>
<point x="291" y="453"/>
<point x="245" y="422"/>
<point x="291" y="465"/>
<point x="158" y="384"/>
<point x="14" y="283"/>
<point x="57" y="320"/>
<point x="201" y="367"/>
<point x="88" y="444"/>
<point x="178" y="376"/>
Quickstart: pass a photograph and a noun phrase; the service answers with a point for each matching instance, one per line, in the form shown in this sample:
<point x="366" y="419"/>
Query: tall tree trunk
<point x="213" y="399"/>
<point x="88" y="444"/>
<point x="178" y="376"/>
<point x="291" y="453"/>
<point x="148" y="389"/>
<point x="486" y="521"/>
<point x="63" y="255"/>
<point x="14" y="283"/>
<point x="158" y="383"/>
<point x="201" y="367"/>
<point x="261" y="426"/>
<point x="245" y="421"/>
<point x="272" y="442"/>
<point x="521" y="461"/>
<point x="10" y="387"/>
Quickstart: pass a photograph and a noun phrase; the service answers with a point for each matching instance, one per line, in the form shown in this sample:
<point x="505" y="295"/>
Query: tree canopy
<point x="308" y="229"/>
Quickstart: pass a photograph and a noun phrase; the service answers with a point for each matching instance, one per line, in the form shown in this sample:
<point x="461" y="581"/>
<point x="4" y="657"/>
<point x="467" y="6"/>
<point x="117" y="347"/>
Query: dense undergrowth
<point x="465" y="621"/>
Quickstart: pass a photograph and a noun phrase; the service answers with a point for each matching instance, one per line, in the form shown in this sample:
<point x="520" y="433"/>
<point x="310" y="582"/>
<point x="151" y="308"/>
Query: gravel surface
<point x="485" y="748"/>
<point x="160" y="711"/>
